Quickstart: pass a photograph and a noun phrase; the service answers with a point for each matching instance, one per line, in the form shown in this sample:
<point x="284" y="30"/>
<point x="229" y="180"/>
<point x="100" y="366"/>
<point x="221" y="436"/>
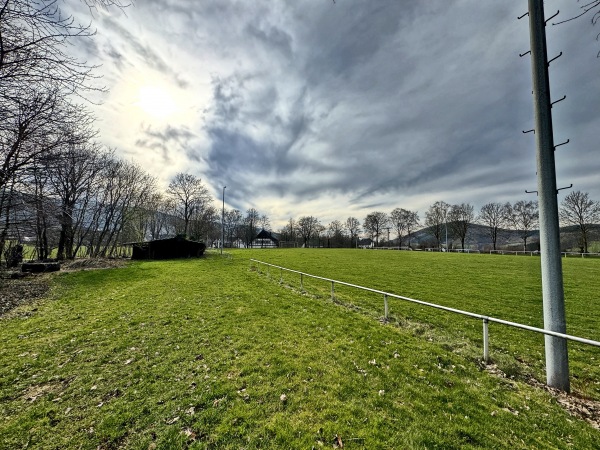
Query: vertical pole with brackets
<point x="557" y="361"/>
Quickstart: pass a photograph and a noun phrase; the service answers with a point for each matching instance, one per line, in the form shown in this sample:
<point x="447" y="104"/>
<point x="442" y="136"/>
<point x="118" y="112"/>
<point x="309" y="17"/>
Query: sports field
<point x="211" y="353"/>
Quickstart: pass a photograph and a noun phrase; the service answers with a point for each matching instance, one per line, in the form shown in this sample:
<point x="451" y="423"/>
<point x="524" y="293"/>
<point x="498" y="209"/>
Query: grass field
<point x="502" y="286"/>
<point x="211" y="354"/>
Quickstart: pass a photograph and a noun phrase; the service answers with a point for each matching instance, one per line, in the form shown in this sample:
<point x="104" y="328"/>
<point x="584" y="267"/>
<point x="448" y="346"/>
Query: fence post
<point x="486" y="341"/>
<point x="301" y="282"/>
<point x="280" y="276"/>
<point x="332" y="292"/>
<point x="385" y="306"/>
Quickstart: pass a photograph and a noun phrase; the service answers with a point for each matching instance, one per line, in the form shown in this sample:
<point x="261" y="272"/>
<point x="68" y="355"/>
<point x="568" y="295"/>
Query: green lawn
<point x="501" y="286"/>
<point x="198" y="354"/>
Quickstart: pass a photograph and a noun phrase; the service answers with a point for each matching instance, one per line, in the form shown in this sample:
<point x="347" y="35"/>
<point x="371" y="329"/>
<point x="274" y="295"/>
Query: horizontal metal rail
<point x="485" y="319"/>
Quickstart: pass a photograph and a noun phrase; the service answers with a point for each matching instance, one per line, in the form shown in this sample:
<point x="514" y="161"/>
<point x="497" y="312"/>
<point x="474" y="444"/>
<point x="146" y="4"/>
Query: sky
<point x="340" y="109"/>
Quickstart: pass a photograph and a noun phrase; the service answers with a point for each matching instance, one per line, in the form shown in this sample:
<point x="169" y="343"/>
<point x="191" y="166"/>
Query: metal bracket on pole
<point x="559" y="100"/>
<point x="563" y="143"/>
<point x="556" y="57"/>
<point x="526" y="14"/>
<point x="563" y="188"/>
<point x="531" y="192"/>
<point x="529" y="131"/>
<point x="551" y="17"/>
<point x="523" y="54"/>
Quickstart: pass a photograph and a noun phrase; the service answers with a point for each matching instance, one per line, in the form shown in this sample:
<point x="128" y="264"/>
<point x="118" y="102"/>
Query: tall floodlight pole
<point x="223" y="222"/>
<point x="557" y="361"/>
<point x="446" y="222"/>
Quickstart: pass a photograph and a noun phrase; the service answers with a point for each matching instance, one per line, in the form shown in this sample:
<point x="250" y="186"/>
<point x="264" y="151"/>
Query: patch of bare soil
<point x="580" y="407"/>
<point x="16" y="292"/>
<point x="19" y="291"/>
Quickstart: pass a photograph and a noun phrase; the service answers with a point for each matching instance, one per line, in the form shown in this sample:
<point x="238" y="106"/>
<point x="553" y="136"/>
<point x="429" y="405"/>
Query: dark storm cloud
<point x="273" y="37"/>
<point x="169" y="140"/>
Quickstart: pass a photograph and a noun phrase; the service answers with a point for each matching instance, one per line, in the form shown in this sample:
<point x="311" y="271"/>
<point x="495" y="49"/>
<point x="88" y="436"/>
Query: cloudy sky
<point x="339" y="109"/>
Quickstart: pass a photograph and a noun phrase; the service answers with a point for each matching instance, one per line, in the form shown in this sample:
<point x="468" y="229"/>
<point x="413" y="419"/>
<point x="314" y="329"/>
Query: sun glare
<point x="156" y="101"/>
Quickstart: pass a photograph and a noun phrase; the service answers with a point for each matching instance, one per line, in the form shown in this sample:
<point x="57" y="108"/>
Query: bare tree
<point x="206" y="221"/>
<point x="398" y="220"/>
<point x="155" y="223"/>
<point x="461" y="217"/>
<point x="42" y="126"/>
<point x="411" y="223"/>
<point x="307" y="227"/>
<point x="579" y="209"/>
<point x="493" y="216"/>
<point x="190" y="197"/>
<point x="403" y="222"/>
<point x="336" y="234"/>
<point x="352" y="225"/>
<point x="251" y="223"/>
<point x="124" y="190"/>
<point x="288" y="232"/>
<point x="375" y="223"/>
<point x="233" y="220"/>
<point x="321" y="234"/>
<point x="523" y="216"/>
<point x="34" y="38"/>
<point x="264" y="222"/>
<point x="435" y="219"/>
<point x="73" y="173"/>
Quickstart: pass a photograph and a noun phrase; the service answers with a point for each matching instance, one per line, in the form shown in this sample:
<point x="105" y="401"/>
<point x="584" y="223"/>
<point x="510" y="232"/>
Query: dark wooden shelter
<point x="177" y="247"/>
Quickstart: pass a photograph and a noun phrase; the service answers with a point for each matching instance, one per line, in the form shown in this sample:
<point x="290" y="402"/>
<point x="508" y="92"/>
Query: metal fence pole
<point x="280" y="276"/>
<point x="301" y="282"/>
<point x="486" y="341"/>
<point x="385" y="306"/>
<point x="332" y="291"/>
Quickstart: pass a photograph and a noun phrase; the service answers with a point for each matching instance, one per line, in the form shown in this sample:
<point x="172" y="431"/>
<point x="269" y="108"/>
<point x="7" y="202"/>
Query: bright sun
<point x="156" y="101"/>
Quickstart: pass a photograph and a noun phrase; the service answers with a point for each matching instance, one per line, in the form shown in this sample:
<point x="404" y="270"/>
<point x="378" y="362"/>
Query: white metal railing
<point x="516" y="252"/>
<point x="583" y="255"/>
<point x="485" y="319"/>
<point x="499" y="252"/>
<point x="537" y="253"/>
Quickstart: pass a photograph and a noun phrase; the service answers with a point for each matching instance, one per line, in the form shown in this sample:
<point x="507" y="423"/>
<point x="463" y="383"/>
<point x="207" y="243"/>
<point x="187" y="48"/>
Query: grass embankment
<point x="198" y="353"/>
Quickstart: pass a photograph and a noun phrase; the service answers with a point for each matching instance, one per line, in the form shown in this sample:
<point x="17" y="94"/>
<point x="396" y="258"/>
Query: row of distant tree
<point x="443" y="220"/>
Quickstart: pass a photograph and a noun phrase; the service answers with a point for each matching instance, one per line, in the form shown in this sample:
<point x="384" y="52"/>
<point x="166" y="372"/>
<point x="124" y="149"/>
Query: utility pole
<point x="557" y="361"/>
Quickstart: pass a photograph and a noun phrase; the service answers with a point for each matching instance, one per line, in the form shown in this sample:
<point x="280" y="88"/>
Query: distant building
<point x="266" y="239"/>
<point x="366" y="243"/>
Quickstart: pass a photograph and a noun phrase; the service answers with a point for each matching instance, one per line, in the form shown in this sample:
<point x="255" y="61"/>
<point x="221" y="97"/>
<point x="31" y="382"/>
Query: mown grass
<point x="502" y="286"/>
<point x="198" y="353"/>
